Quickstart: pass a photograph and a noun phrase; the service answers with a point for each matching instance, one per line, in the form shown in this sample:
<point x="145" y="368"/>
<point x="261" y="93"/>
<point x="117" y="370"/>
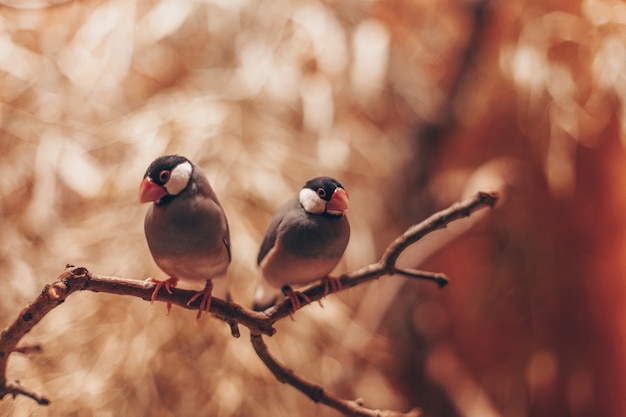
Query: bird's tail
<point x="265" y="296"/>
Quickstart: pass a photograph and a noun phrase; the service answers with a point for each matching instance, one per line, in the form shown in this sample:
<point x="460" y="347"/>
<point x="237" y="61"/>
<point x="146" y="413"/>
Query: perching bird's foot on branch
<point x="205" y="299"/>
<point x="294" y="297"/>
<point x="75" y="279"/>
<point x="168" y="284"/>
<point x="331" y="284"/>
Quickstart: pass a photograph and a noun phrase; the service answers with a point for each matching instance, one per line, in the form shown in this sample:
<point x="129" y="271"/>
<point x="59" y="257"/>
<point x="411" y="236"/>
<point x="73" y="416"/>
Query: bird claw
<point x="294" y="297"/>
<point x="169" y="283"/>
<point x="205" y="302"/>
<point x="331" y="285"/>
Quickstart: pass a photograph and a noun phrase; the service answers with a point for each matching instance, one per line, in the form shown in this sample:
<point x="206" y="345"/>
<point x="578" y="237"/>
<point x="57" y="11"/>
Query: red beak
<point x="149" y="191"/>
<point x="339" y="200"/>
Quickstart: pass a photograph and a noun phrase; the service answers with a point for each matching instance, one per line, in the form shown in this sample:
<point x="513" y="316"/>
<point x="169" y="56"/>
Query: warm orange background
<point x="412" y="105"/>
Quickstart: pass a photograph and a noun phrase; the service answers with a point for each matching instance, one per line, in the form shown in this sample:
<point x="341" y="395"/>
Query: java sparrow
<point x="304" y="242"/>
<point x="186" y="228"/>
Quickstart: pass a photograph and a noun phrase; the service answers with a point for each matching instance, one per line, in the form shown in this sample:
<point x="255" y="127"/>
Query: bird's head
<point x="324" y="195"/>
<point x="165" y="178"/>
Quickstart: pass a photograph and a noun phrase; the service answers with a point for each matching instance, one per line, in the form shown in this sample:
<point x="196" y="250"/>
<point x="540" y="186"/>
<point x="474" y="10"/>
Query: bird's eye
<point x="164" y="175"/>
<point x="321" y="192"/>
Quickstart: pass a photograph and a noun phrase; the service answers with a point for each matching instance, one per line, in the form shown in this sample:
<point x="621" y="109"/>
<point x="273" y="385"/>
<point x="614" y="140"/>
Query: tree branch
<point x="440" y="279"/>
<point x="75" y="279"/>
<point x="386" y="265"/>
<point x="435" y="222"/>
<point x="15" y="389"/>
<point x="315" y="392"/>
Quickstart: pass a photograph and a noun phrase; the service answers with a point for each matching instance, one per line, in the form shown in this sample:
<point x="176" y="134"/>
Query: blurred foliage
<point x="411" y="105"/>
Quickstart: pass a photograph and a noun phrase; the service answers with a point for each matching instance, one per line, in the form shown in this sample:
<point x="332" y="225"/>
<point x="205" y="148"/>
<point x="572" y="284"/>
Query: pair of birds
<point x="188" y="236"/>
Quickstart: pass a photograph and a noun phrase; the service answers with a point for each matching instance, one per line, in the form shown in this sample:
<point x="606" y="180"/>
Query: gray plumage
<point x="188" y="233"/>
<point x="300" y="247"/>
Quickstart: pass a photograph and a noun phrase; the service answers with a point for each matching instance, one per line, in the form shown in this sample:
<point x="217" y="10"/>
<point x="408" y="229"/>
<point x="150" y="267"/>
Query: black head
<point x="324" y="195"/>
<point x="165" y="178"/>
<point x="161" y="168"/>
<point x="324" y="187"/>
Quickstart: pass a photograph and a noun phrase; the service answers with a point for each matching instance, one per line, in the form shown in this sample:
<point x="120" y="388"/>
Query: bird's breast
<point x="187" y="244"/>
<point x="315" y="236"/>
<point x="281" y="267"/>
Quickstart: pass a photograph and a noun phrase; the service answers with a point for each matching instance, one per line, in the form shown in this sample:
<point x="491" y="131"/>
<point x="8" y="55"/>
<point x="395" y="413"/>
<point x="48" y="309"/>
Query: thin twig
<point x="315" y="392"/>
<point x="75" y="279"/>
<point x="15" y="389"/>
<point x="440" y="279"/>
<point x="435" y="222"/>
<point x="26" y="349"/>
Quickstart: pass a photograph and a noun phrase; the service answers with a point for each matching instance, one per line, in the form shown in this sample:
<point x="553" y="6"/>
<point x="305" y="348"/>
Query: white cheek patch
<point x="311" y="202"/>
<point x="179" y="178"/>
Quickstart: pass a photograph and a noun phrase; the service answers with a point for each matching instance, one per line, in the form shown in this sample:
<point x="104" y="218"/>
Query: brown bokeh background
<point x="412" y="105"/>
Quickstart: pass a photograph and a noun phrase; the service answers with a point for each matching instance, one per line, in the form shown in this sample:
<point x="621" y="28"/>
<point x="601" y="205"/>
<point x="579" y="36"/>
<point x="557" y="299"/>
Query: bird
<point x="185" y="227"/>
<point x="304" y="242"/>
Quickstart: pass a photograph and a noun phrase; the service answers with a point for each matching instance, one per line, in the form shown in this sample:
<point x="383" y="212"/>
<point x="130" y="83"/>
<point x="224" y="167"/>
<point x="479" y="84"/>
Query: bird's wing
<point x="269" y="240"/>
<point x="204" y="189"/>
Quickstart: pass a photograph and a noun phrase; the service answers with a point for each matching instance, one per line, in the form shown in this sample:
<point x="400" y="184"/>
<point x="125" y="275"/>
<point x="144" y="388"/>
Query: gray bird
<point x="304" y="242"/>
<point x="186" y="228"/>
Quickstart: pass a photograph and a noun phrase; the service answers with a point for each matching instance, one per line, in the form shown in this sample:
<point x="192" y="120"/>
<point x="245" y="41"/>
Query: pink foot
<point x="205" y="302"/>
<point x="168" y="284"/>
<point x="331" y="285"/>
<point x="294" y="297"/>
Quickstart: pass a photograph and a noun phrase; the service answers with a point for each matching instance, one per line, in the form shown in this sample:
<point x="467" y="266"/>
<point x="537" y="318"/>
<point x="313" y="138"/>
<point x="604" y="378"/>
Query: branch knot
<point x="56" y="291"/>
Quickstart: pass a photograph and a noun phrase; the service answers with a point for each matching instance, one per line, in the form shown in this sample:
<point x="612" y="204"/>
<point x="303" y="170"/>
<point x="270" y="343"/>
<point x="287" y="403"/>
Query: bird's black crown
<point x="163" y="163"/>
<point x="327" y="184"/>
